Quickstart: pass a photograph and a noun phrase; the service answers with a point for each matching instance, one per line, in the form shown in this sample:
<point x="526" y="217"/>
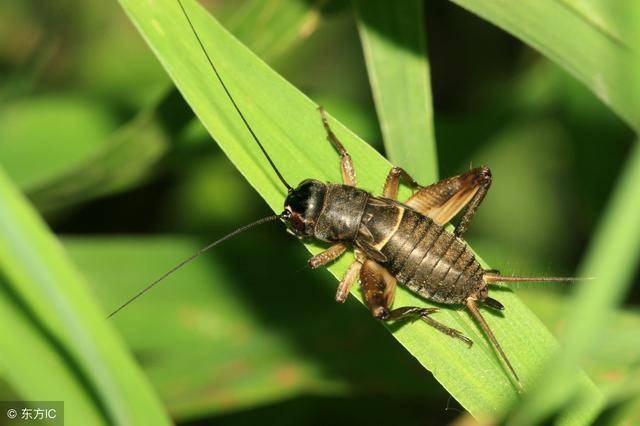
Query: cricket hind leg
<point x="484" y="183"/>
<point x="378" y="288"/>
<point x="414" y="312"/>
<point x="472" y="307"/>
<point x="443" y="200"/>
<point x="346" y="163"/>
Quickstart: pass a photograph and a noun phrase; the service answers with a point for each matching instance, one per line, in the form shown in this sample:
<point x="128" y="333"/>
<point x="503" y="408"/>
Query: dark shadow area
<point x="610" y="415"/>
<point x="136" y="211"/>
<point x="359" y="410"/>
<point x="399" y="25"/>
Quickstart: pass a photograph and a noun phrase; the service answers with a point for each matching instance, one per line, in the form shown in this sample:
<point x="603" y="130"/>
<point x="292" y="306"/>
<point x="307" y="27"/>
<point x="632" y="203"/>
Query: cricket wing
<point x="442" y="200"/>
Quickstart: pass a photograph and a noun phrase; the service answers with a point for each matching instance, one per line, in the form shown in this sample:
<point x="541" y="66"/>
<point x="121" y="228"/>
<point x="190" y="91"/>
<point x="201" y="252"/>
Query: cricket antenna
<point x="224" y="86"/>
<point x="197" y="254"/>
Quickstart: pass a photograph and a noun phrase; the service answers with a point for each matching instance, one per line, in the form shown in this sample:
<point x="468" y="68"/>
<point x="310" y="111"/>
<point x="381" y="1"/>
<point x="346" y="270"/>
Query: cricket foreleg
<point x="327" y="256"/>
<point x="348" y="171"/>
<point x="423" y="314"/>
<point x="392" y="182"/>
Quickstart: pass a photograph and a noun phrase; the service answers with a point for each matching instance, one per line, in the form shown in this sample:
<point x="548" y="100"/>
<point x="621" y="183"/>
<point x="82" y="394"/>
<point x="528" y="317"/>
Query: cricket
<point x="395" y="242"/>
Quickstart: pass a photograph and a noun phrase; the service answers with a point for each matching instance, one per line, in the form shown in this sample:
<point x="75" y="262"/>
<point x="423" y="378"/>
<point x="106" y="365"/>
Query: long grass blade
<point x="394" y="44"/>
<point x="36" y="369"/>
<point x="612" y="259"/>
<point x="49" y="287"/>
<point x="570" y="35"/>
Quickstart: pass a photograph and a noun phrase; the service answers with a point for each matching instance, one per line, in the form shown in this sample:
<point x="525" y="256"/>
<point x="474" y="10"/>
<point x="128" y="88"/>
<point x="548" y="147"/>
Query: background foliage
<point x="111" y="157"/>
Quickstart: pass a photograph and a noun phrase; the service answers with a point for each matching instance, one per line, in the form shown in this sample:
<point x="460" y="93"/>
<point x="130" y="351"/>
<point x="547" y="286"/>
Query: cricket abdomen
<point x="421" y="254"/>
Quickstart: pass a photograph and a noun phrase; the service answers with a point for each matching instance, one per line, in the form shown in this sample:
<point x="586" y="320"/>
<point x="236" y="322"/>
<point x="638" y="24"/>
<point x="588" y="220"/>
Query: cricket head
<point x="302" y="207"/>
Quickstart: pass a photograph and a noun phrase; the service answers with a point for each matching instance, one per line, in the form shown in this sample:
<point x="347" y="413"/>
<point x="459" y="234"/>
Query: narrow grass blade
<point x="394" y="44"/>
<point x="610" y="365"/>
<point x="41" y="138"/>
<point x="47" y="284"/>
<point x="612" y="260"/>
<point x="36" y="369"/>
<point x="289" y="125"/>
<point x="580" y="46"/>
<point x="128" y="157"/>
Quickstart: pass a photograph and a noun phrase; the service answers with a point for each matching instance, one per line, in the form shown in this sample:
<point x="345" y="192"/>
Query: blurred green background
<point x="94" y="134"/>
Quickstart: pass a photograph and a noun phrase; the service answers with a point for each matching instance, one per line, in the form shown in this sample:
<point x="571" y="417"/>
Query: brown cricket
<point x="403" y="242"/>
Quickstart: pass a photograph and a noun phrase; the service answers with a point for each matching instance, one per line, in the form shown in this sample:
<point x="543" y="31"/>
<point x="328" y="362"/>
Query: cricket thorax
<point x="341" y="213"/>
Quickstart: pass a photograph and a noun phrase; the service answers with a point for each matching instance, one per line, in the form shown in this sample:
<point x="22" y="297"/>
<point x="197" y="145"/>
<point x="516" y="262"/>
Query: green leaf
<point x="36" y="368"/>
<point x="289" y="125"/>
<point x="624" y="411"/>
<point x="126" y="158"/>
<point x="394" y="44"/>
<point x="612" y="260"/>
<point x="609" y="365"/>
<point x="43" y="137"/>
<point x="273" y="27"/>
<point x="609" y="17"/>
<point x="218" y="352"/>
<point x="84" y="162"/>
<point x="52" y="291"/>
<point x="573" y="38"/>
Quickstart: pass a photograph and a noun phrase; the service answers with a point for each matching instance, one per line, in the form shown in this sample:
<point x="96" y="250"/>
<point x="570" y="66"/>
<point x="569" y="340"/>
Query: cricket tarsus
<point x="194" y="256"/>
<point x="233" y="102"/>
